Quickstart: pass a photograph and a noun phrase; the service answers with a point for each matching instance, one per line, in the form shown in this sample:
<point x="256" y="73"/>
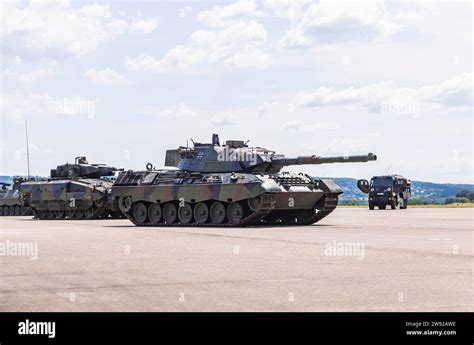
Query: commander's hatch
<point x="172" y="158"/>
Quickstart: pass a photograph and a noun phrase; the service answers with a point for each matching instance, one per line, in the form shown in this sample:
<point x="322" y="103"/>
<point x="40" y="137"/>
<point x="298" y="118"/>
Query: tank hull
<point x="68" y="199"/>
<point x="176" y="198"/>
<point x="10" y="205"/>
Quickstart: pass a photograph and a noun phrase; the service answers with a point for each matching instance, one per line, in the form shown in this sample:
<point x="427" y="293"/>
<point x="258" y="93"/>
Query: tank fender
<point x="329" y="186"/>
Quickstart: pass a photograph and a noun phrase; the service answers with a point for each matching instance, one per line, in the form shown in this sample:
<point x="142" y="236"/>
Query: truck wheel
<point x="371" y="206"/>
<point x="382" y="207"/>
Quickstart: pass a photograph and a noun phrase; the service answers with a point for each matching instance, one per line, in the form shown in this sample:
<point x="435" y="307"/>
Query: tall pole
<point x="27" y="149"/>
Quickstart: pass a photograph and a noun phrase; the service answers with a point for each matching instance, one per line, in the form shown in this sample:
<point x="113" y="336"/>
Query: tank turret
<point x="237" y="156"/>
<point x="82" y="169"/>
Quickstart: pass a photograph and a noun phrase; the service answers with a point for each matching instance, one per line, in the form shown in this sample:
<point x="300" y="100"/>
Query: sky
<point x="122" y="81"/>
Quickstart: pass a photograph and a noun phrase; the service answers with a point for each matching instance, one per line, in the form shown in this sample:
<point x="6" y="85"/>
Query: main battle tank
<point x="74" y="191"/>
<point x="10" y="204"/>
<point x="228" y="185"/>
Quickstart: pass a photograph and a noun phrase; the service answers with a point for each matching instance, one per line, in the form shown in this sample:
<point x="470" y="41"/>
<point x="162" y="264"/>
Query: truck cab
<point x="393" y="190"/>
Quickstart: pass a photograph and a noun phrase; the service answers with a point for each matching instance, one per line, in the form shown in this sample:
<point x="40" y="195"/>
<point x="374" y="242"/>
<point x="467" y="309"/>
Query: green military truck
<point x="393" y="190"/>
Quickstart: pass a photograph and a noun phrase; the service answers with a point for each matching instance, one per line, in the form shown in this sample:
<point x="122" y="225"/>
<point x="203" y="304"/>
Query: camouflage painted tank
<point x="228" y="185"/>
<point x="10" y="204"/>
<point x="74" y="191"/>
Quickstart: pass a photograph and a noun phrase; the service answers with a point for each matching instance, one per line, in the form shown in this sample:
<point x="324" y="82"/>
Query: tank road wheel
<point x="1" y="211"/>
<point x="79" y="214"/>
<point x="24" y="211"/>
<point x="185" y="213"/>
<point x="140" y="212"/>
<point x="201" y="213"/>
<point x="59" y="214"/>
<point x="42" y="214"/>
<point x="11" y="210"/>
<point x="170" y="213"/>
<point x="255" y="203"/>
<point x="50" y="214"/>
<point x="154" y="213"/>
<point x="89" y="213"/>
<point x="70" y="214"/>
<point x="235" y="213"/>
<point x="217" y="212"/>
<point x="17" y="210"/>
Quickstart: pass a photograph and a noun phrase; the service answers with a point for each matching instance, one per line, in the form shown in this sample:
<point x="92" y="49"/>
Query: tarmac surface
<point x="353" y="260"/>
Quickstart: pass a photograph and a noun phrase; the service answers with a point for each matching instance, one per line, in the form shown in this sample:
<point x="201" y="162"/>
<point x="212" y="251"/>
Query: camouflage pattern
<point x="74" y="191"/>
<point x="10" y="204"/>
<point x="228" y="185"/>
<point x="393" y="190"/>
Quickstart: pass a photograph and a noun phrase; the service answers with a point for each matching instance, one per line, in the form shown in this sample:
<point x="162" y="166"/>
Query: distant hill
<point x="425" y="190"/>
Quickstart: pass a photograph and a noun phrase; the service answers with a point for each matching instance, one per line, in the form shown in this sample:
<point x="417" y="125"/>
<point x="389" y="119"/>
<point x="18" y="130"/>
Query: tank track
<point x="324" y="207"/>
<point x="305" y="217"/>
<point x="15" y="210"/>
<point x="268" y="203"/>
<point x="98" y="213"/>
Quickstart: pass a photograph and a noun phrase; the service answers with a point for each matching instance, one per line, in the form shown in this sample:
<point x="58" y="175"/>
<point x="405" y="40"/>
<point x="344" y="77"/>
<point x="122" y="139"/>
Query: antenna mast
<point x="27" y="149"/>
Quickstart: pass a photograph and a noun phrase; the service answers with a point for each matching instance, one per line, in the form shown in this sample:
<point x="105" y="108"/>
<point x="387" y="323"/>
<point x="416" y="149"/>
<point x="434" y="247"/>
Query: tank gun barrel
<point x="302" y="160"/>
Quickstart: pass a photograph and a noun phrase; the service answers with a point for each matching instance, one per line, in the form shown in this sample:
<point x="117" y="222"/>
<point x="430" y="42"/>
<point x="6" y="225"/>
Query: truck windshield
<point x="381" y="182"/>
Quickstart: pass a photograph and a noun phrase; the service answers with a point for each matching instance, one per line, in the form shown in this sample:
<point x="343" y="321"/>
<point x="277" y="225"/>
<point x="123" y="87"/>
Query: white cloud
<point x="20" y="106"/>
<point x="300" y="126"/>
<point x="184" y="11"/>
<point x="17" y="106"/>
<point x="224" y="120"/>
<point x="455" y="92"/>
<point x="333" y="22"/>
<point x="345" y="146"/>
<point x="238" y="45"/>
<point x="27" y="77"/>
<point x="268" y="107"/>
<point x="290" y="9"/>
<point x="222" y="16"/>
<point x="106" y="77"/>
<point x="220" y="118"/>
<point x="179" y="111"/>
<point x="236" y="41"/>
<point x="58" y="26"/>
<point x="144" y="25"/>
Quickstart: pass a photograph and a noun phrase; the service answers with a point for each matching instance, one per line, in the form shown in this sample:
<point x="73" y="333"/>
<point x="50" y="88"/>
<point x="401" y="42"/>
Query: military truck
<point x="10" y="204"/>
<point x="393" y="190"/>
<point x="228" y="185"/>
<point x="73" y="191"/>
